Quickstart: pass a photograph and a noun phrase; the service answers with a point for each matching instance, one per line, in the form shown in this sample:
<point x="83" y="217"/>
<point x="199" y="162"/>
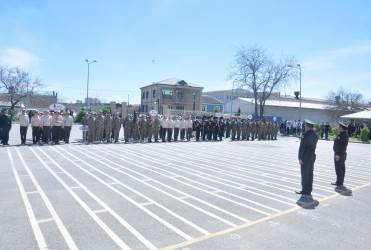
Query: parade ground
<point x="180" y="195"/>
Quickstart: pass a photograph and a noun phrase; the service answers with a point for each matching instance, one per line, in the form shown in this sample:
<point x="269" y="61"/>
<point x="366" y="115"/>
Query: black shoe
<point x="335" y="183"/>
<point x="301" y="192"/>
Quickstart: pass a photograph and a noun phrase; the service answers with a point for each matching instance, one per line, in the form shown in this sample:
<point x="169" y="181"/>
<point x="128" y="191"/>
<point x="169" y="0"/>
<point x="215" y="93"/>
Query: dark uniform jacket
<point x="5" y="121"/>
<point x="308" y="145"/>
<point x="341" y="143"/>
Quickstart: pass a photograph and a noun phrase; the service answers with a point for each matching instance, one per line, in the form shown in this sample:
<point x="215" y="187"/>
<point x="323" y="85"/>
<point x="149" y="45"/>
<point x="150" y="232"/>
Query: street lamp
<point x="87" y="87"/>
<point x="298" y="66"/>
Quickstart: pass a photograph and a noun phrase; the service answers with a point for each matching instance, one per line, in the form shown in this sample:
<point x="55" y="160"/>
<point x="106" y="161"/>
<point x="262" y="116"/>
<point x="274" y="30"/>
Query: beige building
<point x="172" y="93"/>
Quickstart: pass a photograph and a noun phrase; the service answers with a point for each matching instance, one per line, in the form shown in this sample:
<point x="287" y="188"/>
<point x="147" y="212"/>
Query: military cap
<point x="343" y="125"/>
<point x="309" y="123"/>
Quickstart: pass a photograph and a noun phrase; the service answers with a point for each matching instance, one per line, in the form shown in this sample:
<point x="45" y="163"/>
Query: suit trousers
<point x="340" y="169"/>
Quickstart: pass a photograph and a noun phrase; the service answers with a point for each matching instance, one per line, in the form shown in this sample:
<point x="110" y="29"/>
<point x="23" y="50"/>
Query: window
<point x="143" y="95"/>
<point x="180" y="94"/>
<point x="203" y="108"/>
<point x="154" y="93"/>
<point x="147" y="107"/>
<point x="142" y="108"/>
<point x="167" y="94"/>
<point x="179" y="107"/>
<point x="221" y="97"/>
<point x="194" y="100"/>
<point x="147" y="95"/>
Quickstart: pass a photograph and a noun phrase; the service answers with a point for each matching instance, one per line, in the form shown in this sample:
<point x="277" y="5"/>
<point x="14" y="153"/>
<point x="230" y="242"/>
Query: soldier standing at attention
<point x="215" y="128"/>
<point x="234" y="128"/>
<point x="170" y="126"/>
<point x="189" y="128"/>
<point x="126" y="124"/>
<point x="108" y="127"/>
<point x="84" y="122"/>
<point x="35" y="125"/>
<point x="248" y="129"/>
<point x="227" y="128"/>
<point x="243" y="129"/>
<point x="5" y="126"/>
<point x="307" y="157"/>
<point x="23" y="126"/>
<point x="340" y="150"/>
<point x="142" y="128"/>
<point x="197" y="128"/>
<point x="183" y="127"/>
<point x="176" y="128"/>
<point x="156" y="128"/>
<point x="149" y="128"/>
<point x="91" y="128"/>
<point x="116" y="127"/>
<point x="221" y="128"/>
<point x="238" y="129"/>
<point x="66" y="127"/>
<point x="203" y="128"/>
<point x="99" y="126"/>
<point x="164" y="125"/>
<point x="253" y="130"/>
<point x="260" y="129"/>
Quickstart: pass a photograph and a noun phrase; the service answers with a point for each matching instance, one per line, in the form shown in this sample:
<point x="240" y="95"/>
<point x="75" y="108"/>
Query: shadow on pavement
<point x="307" y="202"/>
<point x="343" y="190"/>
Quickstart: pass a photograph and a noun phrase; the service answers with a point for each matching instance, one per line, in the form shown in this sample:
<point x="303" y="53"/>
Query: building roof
<point x="175" y="82"/>
<point x="362" y="115"/>
<point x="283" y="103"/>
<point x="210" y="99"/>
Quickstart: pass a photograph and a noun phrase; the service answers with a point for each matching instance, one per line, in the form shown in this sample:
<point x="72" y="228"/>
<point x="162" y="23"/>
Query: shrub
<point x="364" y="134"/>
<point x="334" y="131"/>
<point x="79" y="116"/>
<point x="317" y="126"/>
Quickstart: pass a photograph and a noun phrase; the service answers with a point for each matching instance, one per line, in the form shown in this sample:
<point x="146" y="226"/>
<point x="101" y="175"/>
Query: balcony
<point x="181" y="100"/>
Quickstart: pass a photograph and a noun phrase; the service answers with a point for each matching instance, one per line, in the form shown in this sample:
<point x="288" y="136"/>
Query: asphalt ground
<point x="186" y="195"/>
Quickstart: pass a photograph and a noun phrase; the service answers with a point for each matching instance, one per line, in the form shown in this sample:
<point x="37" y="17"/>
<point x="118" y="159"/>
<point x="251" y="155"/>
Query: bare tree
<point x="254" y="71"/>
<point x="343" y="102"/>
<point x="18" y="83"/>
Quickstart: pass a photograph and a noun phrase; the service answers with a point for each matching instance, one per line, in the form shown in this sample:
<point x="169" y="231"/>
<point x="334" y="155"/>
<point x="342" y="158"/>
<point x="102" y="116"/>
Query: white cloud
<point x="352" y="50"/>
<point x="17" y="57"/>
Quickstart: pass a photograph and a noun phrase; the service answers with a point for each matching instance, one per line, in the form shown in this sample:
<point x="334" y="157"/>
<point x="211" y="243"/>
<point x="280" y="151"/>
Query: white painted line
<point x="45" y="220"/>
<point x="141" y="207"/>
<point x="141" y="164"/>
<point x="100" y="211"/>
<point x="77" y="187"/>
<point x="35" y="226"/>
<point x="67" y="237"/>
<point x="113" y="236"/>
<point x="32" y="192"/>
<point x="146" y="203"/>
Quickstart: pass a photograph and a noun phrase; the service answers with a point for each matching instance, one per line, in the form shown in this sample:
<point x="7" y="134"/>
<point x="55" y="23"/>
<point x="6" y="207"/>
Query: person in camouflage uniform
<point x="227" y="128"/>
<point x="156" y="128"/>
<point x="135" y="129"/>
<point x="243" y="129"/>
<point x="234" y="128"/>
<point x="127" y="125"/>
<point x="238" y="129"/>
<point x="108" y="127"/>
<point x="260" y="129"/>
<point x="142" y="128"/>
<point x="149" y="128"/>
<point x="99" y="127"/>
<point x="269" y="129"/>
<point x="265" y="129"/>
<point x="116" y="127"/>
<point x="84" y="122"/>
<point x="248" y="124"/>
<point x="275" y="129"/>
<point x="91" y="128"/>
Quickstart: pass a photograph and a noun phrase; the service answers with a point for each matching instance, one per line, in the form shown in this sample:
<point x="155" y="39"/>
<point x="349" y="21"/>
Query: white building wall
<point x="287" y="113"/>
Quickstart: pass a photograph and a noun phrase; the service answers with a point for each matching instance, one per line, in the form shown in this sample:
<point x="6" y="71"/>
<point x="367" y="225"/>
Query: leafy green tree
<point x="79" y="116"/>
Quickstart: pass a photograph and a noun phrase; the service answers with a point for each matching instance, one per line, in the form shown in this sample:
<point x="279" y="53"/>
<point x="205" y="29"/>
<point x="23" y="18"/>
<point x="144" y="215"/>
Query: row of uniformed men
<point x="47" y="126"/>
<point x="106" y="128"/>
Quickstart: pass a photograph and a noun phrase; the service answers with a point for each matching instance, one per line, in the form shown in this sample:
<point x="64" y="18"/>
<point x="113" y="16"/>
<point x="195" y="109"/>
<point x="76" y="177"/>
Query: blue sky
<point x="140" y="42"/>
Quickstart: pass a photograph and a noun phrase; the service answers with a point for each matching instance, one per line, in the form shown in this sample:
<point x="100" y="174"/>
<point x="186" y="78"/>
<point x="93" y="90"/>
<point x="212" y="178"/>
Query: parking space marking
<point x="31" y="215"/>
<point x="213" y="235"/>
